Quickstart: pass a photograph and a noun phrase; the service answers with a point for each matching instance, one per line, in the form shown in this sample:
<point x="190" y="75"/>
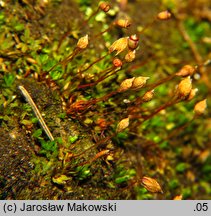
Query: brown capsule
<point x="133" y="41"/>
<point x="117" y="62"/>
<point x="151" y="185"/>
<point x="83" y="42"/>
<point x="31" y="60"/>
<point x="203" y="156"/>
<point x="178" y="197"/>
<point x="200" y="107"/>
<point x="123" y="23"/>
<point x="190" y="176"/>
<point x="184" y="87"/>
<point x="119" y="45"/>
<point x="122" y="125"/>
<point x="130" y="56"/>
<point x="102" y="123"/>
<point x="104" y="6"/>
<point x="192" y="94"/>
<point x="99" y="154"/>
<point x="139" y="82"/>
<point x="148" y="96"/>
<point x="126" y="84"/>
<point x="186" y="70"/>
<point x="79" y="105"/>
<point x="164" y="15"/>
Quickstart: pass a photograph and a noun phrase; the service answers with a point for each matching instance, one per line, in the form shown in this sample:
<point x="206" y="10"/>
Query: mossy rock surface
<point x="27" y="174"/>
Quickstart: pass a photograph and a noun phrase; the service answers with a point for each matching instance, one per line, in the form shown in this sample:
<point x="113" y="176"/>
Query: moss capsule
<point x="117" y="62"/>
<point x="122" y="125"/>
<point x="164" y="15"/>
<point x="200" y="107"/>
<point x="104" y="6"/>
<point x="133" y="41"/>
<point x="186" y="70"/>
<point x="123" y="23"/>
<point x="126" y="84"/>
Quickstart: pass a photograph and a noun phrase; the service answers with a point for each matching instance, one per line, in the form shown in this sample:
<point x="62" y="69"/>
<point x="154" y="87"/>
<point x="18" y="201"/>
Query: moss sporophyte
<point x="111" y="114"/>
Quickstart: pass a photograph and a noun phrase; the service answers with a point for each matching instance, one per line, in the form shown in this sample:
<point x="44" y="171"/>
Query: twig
<point x="194" y="50"/>
<point x="192" y="45"/>
<point x="37" y="112"/>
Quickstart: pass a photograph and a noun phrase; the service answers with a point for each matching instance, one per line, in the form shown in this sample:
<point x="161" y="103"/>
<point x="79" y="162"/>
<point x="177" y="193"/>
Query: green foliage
<point x="34" y="120"/>
<point x="57" y="73"/>
<point x="122" y="135"/>
<point x="73" y="139"/>
<point x="83" y="172"/>
<point x="19" y="27"/>
<point x="164" y="145"/>
<point x="9" y="79"/>
<point x="42" y="167"/>
<point x="37" y="134"/>
<point x="60" y="180"/>
<point x="123" y="175"/>
<point x="62" y="115"/>
<point x="195" y="29"/>
<point x="84" y="2"/>
<point x="26" y="122"/>
<point x="143" y="194"/>
<point x="6" y="42"/>
<point x="181" y="167"/>
<point x="206" y="186"/>
<point x="49" y="149"/>
<point x="173" y="184"/>
<point x="186" y="193"/>
<point x="2" y="18"/>
<point x="206" y="170"/>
